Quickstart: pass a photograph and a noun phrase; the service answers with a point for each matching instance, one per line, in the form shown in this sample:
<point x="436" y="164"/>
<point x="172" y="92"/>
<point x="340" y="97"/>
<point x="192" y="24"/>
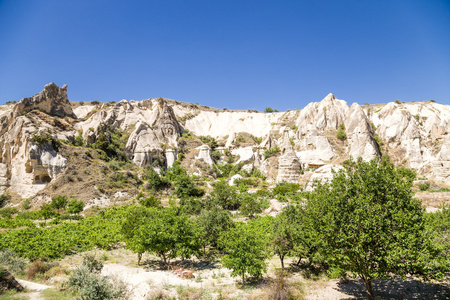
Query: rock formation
<point x="414" y="135"/>
<point x="289" y="166"/>
<point x="52" y="100"/>
<point x="205" y="154"/>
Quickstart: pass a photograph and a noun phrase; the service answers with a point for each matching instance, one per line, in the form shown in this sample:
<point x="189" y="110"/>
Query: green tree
<point x="169" y="234"/>
<point x="368" y="222"/>
<point x="214" y="222"/>
<point x="246" y="251"/>
<point x="250" y="204"/>
<point x="293" y="235"/>
<point x="224" y="195"/>
<point x="134" y="218"/>
<point x="47" y="212"/>
<point x="59" y="202"/>
<point x="74" y="206"/>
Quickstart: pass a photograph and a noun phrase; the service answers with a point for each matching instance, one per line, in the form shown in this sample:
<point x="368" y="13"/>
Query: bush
<point x="7" y="212"/>
<point x="271" y="152"/>
<point x="4" y="199"/>
<point x="156" y="181"/>
<point x="38" y="268"/>
<point x="10" y="260"/>
<point x="424" y="186"/>
<point x="151" y="201"/>
<point x="88" y="282"/>
<point x="270" y="110"/>
<point x="74" y="206"/>
<point x="92" y="264"/>
<point x="59" y="202"/>
<point x="341" y="134"/>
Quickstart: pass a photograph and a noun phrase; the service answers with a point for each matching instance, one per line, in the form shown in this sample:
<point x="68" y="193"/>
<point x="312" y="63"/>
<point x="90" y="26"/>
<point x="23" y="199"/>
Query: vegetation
<point x="368" y="222"/>
<point x="341" y="133"/>
<point x="271" y="152"/>
<point x="246" y="251"/>
<point x="270" y="110"/>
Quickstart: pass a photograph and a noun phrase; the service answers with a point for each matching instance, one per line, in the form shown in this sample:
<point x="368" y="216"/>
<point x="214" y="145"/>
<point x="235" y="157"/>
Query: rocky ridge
<point x="411" y="134"/>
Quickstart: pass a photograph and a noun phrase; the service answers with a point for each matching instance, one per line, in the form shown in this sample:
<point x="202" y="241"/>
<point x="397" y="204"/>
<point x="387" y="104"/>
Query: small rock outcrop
<point x="205" y="154"/>
<point x="289" y="166"/>
<point x="52" y="100"/>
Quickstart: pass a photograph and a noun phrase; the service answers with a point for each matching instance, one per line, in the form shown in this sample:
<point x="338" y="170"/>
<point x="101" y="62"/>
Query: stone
<point x="289" y="167"/>
<point x="205" y="154"/>
<point x="52" y="100"/>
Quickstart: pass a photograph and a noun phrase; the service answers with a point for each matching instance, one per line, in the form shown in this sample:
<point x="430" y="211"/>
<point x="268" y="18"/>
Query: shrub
<point x="26" y="204"/>
<point x="59" y="202"/>
<point x="271" y="152"/>
<point x="424" y="186"/>
<point x="270" y="110"/>
<point x="74" y="206"/>
<point x="341" y="134"/>
<point x="151" y="201"/>
<point x="38" y="268"/>
<point x="4" y="198"/>
<point x="156" y="181"/>
<point x="7" y="212"/>
<point x="92" y="264"/>
<point x="398" y="101"/>
<point x="14" y="263"/>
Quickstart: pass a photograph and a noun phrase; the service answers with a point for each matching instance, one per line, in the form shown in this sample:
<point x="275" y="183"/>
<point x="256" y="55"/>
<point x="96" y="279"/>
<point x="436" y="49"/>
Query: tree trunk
<point x="164" y="259"/>
<point x="282" y="261"/>
<point x="368" y="284"/>
<point x="299" y="261"/>
<point x="243" y="278"/>
<point x="139" y="258"/>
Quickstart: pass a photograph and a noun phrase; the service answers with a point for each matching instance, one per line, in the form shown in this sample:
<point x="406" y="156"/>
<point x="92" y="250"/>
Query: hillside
<point x="43" y="140"/>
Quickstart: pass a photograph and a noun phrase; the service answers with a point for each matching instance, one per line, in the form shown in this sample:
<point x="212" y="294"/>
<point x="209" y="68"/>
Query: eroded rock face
<point x="204" y="153"/>
<point x="52" y="100"/>
<point x="289" y="166"/>
<point x="360" y="134"/>
<point x="415" y="135"/>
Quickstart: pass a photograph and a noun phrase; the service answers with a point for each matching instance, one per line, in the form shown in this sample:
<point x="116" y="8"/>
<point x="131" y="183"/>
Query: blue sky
<point x="234" y="54"/>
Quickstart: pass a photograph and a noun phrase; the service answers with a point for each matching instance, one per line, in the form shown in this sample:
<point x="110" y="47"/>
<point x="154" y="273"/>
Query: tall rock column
<point x="289" y="166"/>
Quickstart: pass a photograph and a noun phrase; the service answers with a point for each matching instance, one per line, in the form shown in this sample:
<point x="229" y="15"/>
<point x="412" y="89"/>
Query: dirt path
<point x="142" y="281"/>
<point x="36" y="287"/>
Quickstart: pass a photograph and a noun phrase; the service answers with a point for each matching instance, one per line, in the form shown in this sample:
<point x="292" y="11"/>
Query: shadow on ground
<point x="396" y="289"/>
<point x="157" y="264"/>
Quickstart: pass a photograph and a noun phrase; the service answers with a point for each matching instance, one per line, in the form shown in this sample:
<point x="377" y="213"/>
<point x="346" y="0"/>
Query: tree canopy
<point x="368" y="221"/>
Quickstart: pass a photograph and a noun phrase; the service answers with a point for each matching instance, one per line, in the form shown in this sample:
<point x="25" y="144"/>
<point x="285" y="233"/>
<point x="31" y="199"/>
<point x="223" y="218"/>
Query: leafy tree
<point x="292" y="234"/>
<point x="224" y="195"/>
<point x="47" y="212"/>
<point x="246" y="251"/>
<point x="183" y="183"/>
<point x="156" y="181"/>
<point x="111" y="141"/>
<point x="74" y="206"/>
<point x="250" y="204"/>
<point x="213" y="222"/>
<point x="59" y="202"/>
<point x="134" y="218"/>
<point x="169" y="234"/>
<point x="368" y="222"/>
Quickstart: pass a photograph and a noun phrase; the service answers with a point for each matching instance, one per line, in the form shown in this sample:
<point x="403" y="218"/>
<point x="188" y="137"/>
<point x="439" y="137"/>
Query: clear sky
<point x="235" y="54"/>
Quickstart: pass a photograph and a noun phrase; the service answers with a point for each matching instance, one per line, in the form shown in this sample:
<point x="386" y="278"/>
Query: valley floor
<point x="211" y="281"/>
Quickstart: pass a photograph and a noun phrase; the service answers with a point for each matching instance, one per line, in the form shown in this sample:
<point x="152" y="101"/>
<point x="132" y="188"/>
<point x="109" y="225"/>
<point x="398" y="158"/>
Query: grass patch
<point x="443" y="190"/>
